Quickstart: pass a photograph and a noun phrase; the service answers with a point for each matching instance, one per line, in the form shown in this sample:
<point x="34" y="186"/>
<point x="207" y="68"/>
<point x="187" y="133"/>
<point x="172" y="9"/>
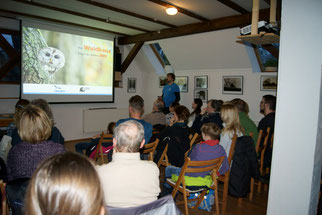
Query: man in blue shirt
<point x="170" y="92"/>
<point x="136" y="109"/>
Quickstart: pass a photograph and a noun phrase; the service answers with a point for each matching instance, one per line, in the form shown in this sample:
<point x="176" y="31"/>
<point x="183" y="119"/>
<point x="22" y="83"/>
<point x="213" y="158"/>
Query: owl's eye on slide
<point x="56" y="57"/>
<point x="47" y="54"/>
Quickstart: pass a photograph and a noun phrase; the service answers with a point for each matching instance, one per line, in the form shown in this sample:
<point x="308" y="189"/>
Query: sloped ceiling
<point x="206" y="51"/>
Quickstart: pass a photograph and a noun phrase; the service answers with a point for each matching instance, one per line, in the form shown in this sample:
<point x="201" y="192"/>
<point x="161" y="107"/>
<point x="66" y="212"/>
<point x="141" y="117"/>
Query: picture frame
<point x="268" y="83"/>
<point x="201" y="81"/>
<point x="232" y="85"/>
<point x="201" y="94"/>
<point x="182" y="82"/>
<point x="131" y="85"/>
<point x="162" y="81"/>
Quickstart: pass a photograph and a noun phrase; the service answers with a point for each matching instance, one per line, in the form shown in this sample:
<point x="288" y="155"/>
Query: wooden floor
<point x="255" y="207"/>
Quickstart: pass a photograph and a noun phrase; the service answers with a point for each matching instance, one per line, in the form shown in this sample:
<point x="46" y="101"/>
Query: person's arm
<point x="177" y="94"/>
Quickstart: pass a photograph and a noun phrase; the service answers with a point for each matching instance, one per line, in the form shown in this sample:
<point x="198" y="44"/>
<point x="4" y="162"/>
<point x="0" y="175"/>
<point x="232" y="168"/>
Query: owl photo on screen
<point x="51" y="60"/>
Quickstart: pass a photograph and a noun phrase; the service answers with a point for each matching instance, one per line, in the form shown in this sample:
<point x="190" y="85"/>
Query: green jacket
<point x="248" y="125"/>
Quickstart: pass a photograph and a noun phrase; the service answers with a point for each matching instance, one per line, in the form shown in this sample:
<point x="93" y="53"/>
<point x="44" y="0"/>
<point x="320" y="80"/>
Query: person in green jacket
<point x="246" y="122"/>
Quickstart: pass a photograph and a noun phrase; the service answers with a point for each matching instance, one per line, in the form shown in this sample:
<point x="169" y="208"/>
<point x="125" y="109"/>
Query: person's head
<point x="229" y="115"/>
<point x="196" y="106"/>
<point x="110" y="127"/>
<point x="268" y="104"/>
<point x="20" y="106"/>
<point x="241" y="105"/>
<point x="136" y="105"/>
<point x="210" y="131"/>
<point x="173" y="106"/>
<point x="214" y="105"/>
<point x="43" y="104"/>
<point x="181" y="114"/>
<point x="128" y="137"/>
<point x="65" y="184"/>
<point x="158" y="105"/>
<point x="34" y="125"/>
<point x="170" y="78"/>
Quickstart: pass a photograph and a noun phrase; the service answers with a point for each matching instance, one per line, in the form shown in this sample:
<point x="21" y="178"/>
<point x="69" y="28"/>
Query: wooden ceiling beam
<point x="271" y="49"/>
<point x="60" y="21"/>
<point x="212" y="25"/>
<point x="108" y="7"/>
<point x="180" y="10"/>
<point x="105" y="20"/>
<point x="128" y="60"/>
<point x="234" y="6"/>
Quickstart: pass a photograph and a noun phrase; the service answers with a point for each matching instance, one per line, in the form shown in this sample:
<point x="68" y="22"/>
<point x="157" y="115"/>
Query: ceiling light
<point x="171" y="11"/>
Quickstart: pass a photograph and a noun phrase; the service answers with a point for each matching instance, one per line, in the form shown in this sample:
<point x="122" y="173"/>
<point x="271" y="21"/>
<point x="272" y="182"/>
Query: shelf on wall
<point x="261" y="38"/>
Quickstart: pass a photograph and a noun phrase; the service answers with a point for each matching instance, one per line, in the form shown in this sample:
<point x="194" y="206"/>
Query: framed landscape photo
<point x="232" y="85"/>
<point x="182" y="82"/>
<point x="131" y="85"/>
<point x="201" y="94"/>
<point x="201" y="81"/>
<point x="162" y="81"/>
<point x="268" y="83"/>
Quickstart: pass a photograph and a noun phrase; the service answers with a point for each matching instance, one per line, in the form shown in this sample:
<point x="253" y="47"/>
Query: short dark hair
<point x="216" y="104"/>
<point x="211" y="129"/>
<point x="241" y="105"/>
<point x="110" y="127"/>
<point x="271" y="101"/>
<point x="173" y="76"/>
<point x="43" y="104"/>
<point x="137" y="103"/>
<point x="182" y="112"/>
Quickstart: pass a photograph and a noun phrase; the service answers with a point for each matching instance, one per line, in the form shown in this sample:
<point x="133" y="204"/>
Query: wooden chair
<point x="150" y="149"/>
<point x="198" y="166"/>
<point x="4" y="204"/>
<point x="164" y="161"/>
<point x="225" y="178"/>
<point x="193" y="139"/>
<point x="99" y="149"/>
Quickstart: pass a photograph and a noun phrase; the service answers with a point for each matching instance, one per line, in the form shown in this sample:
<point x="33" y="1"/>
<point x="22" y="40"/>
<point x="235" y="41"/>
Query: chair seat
<point x="190" y="190"/>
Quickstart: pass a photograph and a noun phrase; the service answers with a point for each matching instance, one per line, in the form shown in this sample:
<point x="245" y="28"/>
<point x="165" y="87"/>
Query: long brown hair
<point x="65" y="184"/>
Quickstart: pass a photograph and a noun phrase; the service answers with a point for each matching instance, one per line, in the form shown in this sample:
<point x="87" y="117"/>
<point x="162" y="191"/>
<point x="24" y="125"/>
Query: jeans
<point x="169" y="170"/>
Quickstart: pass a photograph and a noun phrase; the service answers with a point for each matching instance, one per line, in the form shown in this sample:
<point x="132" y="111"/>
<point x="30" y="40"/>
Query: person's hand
<point x="203" y="111"/>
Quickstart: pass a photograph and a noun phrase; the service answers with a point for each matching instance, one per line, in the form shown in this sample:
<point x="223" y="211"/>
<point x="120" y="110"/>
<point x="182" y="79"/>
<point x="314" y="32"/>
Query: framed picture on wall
<point x="232" y="85"/>
<point x="268" y="83"/>
<point x="201" y="94"/>
<point x="162" y="81"/>
<point x="201" y="81"/>
<point x="182" y="82"/>
<point x="131" y="85"/>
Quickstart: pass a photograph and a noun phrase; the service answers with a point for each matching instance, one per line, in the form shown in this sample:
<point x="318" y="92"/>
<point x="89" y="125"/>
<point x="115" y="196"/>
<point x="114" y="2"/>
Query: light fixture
<point x="171" y="11"/>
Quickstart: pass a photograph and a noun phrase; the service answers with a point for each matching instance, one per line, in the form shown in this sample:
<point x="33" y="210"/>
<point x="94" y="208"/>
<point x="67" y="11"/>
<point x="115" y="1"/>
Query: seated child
<point x="206" y="150"/>
<point x="95" y="139"/>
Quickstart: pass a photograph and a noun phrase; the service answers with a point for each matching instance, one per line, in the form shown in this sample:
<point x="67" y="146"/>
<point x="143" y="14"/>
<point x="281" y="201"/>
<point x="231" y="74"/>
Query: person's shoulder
<point x="122" y="120"/>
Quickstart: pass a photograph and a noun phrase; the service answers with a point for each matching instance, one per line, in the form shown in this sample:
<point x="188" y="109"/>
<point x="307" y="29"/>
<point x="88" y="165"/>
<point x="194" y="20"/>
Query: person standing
<point x="170" y="92"/>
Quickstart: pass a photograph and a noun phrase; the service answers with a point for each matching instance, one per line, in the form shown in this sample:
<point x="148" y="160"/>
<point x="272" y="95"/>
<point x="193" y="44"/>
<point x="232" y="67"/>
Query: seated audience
<point x="267" y="107"/>
<point x="79" y="147"/>
<point x="65" y="184"/>
<point x="156" y="117"/>
<point x="55" y="135"/>
<point x="196" y="106"/>
<point x="248" y="124"/>
<point x="169" y="115"/>
<point x="34" y="129"/>
<point x="20" y="106"/>
<point x="208" y="149"/>
<point x="128" y="181"/>
<point x="176" y="136"/>
<point x="230" y="117"/>
<point x="136" y="110"/>
<point x="208" y="114"/>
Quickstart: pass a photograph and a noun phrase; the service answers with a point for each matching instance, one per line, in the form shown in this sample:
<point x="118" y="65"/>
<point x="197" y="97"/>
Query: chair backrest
<point x="99" y="150"/>
<point x="164" y="161"/>
<point x="193" y="139"/>
<point x="150" y="148"/>
<point x="164" y="205"/>
<point x="232" y="149"/>
<point x="263" y="149"/>
<point x="260" y="134"/>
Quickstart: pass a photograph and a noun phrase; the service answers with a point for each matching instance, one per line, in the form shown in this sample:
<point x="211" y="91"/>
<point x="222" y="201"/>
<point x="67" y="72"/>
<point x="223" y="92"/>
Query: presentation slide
<point x="63" y="67"/>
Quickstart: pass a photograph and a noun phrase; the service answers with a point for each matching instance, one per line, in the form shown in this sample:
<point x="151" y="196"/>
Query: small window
<point x="161" y="53"/>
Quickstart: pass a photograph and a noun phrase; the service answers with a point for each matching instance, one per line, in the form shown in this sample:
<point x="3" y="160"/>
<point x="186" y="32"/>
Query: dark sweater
<point x="205" y="118"/>
<point x="24" y="158"/>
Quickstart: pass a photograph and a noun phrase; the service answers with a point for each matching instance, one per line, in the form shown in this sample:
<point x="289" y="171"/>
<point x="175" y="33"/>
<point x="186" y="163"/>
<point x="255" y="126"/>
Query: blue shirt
<point x="147" y="127"/>
<point x="168" y="93"/>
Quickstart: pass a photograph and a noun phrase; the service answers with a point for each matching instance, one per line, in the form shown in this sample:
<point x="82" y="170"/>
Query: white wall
<point x="296" y="164"/>
<point x="252" y="94"/>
